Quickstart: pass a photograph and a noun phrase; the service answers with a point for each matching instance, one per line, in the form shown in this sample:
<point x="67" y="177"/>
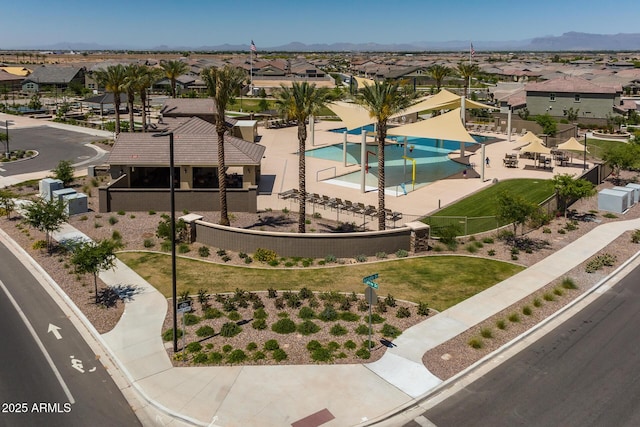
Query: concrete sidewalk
<point x="281" y="395"/>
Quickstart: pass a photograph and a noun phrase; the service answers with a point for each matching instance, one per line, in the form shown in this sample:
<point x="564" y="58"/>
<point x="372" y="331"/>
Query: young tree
<point x="7" y="202"/>
<point x="94" y="257"/>
<point x="300" y="102"/>
<point x="113" y="80"/>
<point x="549" y="125"/>
<point x="514" y="209"/>
<point x="383" y="100"/>
<point x="172" y="70"/>
<point x="568" y="188"/>
<point x="64" y="172"/>
<point x="46" y="216"/>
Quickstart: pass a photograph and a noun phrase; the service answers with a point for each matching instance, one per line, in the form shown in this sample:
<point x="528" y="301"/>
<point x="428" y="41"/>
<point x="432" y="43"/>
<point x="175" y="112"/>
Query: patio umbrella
<point x="535" y="147"/>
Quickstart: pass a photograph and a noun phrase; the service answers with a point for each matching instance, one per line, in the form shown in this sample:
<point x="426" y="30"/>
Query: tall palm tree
<point x="172" y="70"/>
<point x="467" y="71"/>
<point x="131" y="87"/>
<point x="300" y="102"/>
<point x="113" y="80"/>
<point x="148" y="76"/>
<point x="383" y="100"/>
<point x="222" y="85"/>
<point x="439" y="73"/>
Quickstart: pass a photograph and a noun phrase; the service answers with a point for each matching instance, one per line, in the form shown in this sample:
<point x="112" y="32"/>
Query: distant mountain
<point x="571" y="41"/>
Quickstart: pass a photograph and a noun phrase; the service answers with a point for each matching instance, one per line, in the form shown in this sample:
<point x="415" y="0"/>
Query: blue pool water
<point x="430" y="155"/>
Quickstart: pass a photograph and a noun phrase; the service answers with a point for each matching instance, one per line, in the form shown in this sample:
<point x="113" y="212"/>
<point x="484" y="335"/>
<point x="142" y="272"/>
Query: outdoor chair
<point x="287" y="194"/>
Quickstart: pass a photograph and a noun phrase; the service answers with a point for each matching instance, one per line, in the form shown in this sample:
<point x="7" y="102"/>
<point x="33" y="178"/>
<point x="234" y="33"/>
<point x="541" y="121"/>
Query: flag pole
<point x="251" y="68"/>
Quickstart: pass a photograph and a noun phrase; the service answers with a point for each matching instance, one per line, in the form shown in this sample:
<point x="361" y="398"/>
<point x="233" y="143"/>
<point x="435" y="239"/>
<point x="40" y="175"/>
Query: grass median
<point x="440" y="281"/>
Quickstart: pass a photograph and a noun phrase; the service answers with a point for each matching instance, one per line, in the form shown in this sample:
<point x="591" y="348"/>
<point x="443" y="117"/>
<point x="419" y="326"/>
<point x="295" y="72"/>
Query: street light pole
<point x="174" y="292"/>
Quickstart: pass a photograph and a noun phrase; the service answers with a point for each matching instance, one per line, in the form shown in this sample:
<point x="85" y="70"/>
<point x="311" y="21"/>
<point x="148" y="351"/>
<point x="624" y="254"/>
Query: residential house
<point x="53" y="77"/>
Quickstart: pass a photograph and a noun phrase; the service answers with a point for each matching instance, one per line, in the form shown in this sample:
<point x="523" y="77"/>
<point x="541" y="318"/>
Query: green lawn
<point x="440" y="281"/>
<point x="597" y="147"/>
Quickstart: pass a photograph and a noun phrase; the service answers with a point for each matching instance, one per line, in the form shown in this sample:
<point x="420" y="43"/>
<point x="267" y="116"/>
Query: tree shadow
<point x="272" y="221"/>
<point x="341" y="227"/>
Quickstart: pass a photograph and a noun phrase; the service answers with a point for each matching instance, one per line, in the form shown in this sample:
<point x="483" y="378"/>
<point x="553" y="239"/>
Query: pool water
<point x="430" y="155"/>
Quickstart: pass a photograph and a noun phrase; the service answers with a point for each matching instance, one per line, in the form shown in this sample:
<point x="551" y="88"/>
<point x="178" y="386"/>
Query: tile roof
<point x="569" y="85"/>
<point x="188" y="107"/>
<point x="195" y="144"/>
<point x="46" y="75"/>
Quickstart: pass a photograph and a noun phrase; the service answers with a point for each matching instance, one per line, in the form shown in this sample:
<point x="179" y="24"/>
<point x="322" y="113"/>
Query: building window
<point x="576" y="97"/>
<point x="552" y="97"/>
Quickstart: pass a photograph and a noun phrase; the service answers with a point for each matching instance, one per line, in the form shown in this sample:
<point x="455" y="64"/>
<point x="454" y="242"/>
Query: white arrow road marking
<point x="55" y="330"/>
<point x="40" y="345"/>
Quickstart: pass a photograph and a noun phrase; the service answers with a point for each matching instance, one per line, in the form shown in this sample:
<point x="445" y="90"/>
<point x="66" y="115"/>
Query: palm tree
<point x="299" y="102"/>
<point x="113" y="79"/>
<point x="148" y="76"/>
<point x="222" y="84"/>
<point x="439" y="73"/>
<point x="131" y="86"/>
<point x="467" y="71"/>
<point x="383" y="100"/>
<point x="172" y="70"/>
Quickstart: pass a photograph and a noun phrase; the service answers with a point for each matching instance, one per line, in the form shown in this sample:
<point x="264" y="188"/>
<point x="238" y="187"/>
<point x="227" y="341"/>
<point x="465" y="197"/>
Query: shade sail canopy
<point x="572" y="144"/>
<point x="352" y="115"/>
<point x="447" y="126"/>
<point x="536" y="147"/>
<point x="528" y="138"/>
<point x="362" y="82"/>
<point x="444" y="100"/>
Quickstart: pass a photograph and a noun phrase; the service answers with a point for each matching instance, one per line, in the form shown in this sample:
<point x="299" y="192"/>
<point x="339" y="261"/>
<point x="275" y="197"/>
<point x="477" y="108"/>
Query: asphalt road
<point x="52" y="145"/>
<point x="72" y="388"/>
<point x="584" y="373"/>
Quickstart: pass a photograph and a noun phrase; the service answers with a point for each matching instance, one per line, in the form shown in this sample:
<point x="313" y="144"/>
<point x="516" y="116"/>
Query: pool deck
<point x="281" y="165"/>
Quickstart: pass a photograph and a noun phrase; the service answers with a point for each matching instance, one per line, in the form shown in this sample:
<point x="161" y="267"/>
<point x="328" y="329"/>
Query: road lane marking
<point x="40" y="344"/>
<point x="55" y="330"/>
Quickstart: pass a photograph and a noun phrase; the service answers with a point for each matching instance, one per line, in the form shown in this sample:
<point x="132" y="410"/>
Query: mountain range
<point x="571" y="41"/>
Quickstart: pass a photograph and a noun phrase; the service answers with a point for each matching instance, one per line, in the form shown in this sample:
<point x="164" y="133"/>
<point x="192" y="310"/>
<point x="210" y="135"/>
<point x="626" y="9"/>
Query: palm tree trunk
<point x="143" y="101"/>
<point x="302" y="184"/>
<point x="116" y="104"/>
<point x="173" y="88"/>
<point x="222" y="180"/>
<point x="130" y="100"/>
<point x="382" y="134"/>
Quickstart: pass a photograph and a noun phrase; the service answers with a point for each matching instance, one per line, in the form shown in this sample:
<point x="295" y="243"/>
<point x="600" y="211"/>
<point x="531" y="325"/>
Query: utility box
<point x="636" y="191"/>
<point x="47" y="186"/>
<point x="630" y="194"/>
<point x="76" y="203"/>
<point x="613" y="200"/>
<point x="59" y="194"/>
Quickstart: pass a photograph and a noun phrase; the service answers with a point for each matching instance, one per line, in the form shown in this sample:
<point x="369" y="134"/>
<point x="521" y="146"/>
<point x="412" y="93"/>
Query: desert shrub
<point x="390" y="300"/>
<point x="204" y="251"/>
<point x="362" y="330"/>
<point x="259" y="324"/>
<point x="487" y="240"/>
<point x="306" y="313"/>
<point x="257" y="304"/>
<point x="294" y="301"/>
<point x="376" y="318"/>
<point x="568" y="283"/>
<point x="279" y="355"/>
<point x="526" y="310"/>
<point x="307" y="328"/>
<point x="361" y="258"/>
<point x="215" y="357"/>
<point x="205" y="331"/>
<point x="635" y="237"/>
<point x="194" y="347"/>
<point x="348" y="316"/>
<point x="471" y="248"/>
<point x="237" y="356"/>
<point x="381" y="307"/>
<point x="363" y="305"/>
<point x="390" y="331"/>
<point x="200" y="358"/>
<point x="305" y="293"/>
<point x="191" y="319"/>
<point x="165" y="246"/>
<point x="537" y="302"/>
<point x="271" y="345"/>
<point x="272" y="293"/>
<point x="329" y="259"/>
<point x="248" y="260"/>
<point x="279" y="303"/>
<point x="39" y="244"/>
<point x="558" y="291"/>
<point x="345" y="304"/>
<point x="486" y="333"/>
<point x="350" y="345"/>
<point x="168" y="334"/>
<point x="113" y="220"/>
<point x="230" y="329"/>
<point x="401" y="253"/>
<point x="491" y="252"/>
<point x="600" y="261"/>
<point x="227" y="348"/>
<point x="284" y="326"/>
<point x="423" y="309"/>
<point x="514" y="318"/>
<point x="212" y="313"/>
<point x="403" y="312"/>
<point x="338" y="330"/>
<point x="148" y="243"/>
<point x="258" y="355"/>
<point x="234" y="315"/>
<point x="260" y="314"/>
<point x="475" y="343"/>
<point x="329" y="314"/>
<point x="265" y="255"/>
<point x="548" y="296"/>
<point x="228" y="305"/>
<point x="313" y="345"/>
<point x="321" y="354"/>
<point x="381" y="255"/>
<point x="363" y="353"/>
<point x="501" y="324"/>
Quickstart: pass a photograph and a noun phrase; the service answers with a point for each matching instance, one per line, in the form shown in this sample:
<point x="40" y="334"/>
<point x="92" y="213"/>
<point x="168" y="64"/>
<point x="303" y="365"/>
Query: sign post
<point x="8" y="123"/>
<point x="183" y="307"/>
<point x="371" y="297"/>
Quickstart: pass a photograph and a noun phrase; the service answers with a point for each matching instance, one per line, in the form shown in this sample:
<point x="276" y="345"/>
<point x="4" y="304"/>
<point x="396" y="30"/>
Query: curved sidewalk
<point x="281" y="395"/>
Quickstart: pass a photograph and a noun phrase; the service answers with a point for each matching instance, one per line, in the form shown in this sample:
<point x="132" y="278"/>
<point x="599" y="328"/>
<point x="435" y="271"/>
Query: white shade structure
<point x="529" y="137"/>
<point x="447" y="126"/>
<point x="572" y="144"/>
<point x="536" y="147"/>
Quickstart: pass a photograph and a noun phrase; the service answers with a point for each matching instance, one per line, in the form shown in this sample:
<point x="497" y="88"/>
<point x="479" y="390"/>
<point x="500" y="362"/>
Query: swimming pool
<point x="430" y="155"/>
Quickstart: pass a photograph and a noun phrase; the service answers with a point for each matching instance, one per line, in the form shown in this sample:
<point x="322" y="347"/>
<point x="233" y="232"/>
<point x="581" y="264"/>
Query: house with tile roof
<point x="555" y="97"/>
<point x="139" y="168"/>
<point x="53" y="77"/>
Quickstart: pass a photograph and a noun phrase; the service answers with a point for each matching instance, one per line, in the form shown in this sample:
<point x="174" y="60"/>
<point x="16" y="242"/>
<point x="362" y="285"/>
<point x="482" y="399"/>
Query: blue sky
<point x="145" y="24"/>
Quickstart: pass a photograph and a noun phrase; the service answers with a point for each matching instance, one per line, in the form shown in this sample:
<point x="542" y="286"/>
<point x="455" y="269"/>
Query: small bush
<point x="237" y="356"/>
<point x="227" y="348"/>
<point x="168" y="334"/>
<point x="284" y="326"/>
<point x="194" y="347"/>
<point x="475" y="343"/>
<point x="548" y="296"/>
<point x="471" y="248"/>
<point x="635" y="237"/>
<point x="306" y="313"/>
<point x="329" y="259"/>
<point x="307" y="328"/>
<point x="265" y="255"/>
<point x="338" y="330"/>
<point x="259" y="324"/>
<point x="376" y="318"/>
<point x="321" y="355"/>
<point x="215" y="357"/>
<point x="526" y="310"/>
<point x="568" y="283"/>
<point x="279" y="355"/>
<point x="191" y="319"/>
<point x="423" y="309"/>
<point x="348" y="316"/>
<point x="501" y="324"/>
<point x="39" y="244"/>
<point x="403" y="313"/>
<point x="558" y="291"/>
<point x="401" y="253"/>
<point x="390" y="331"/>
<point x="204" y="251"/>
<point x="271" y="345"/>
<point x="148" y="243"/>
<point x="390" y="300"/>
<point x="183" y="248"/>
<point x="212" y="313"/>
<point x="165" y="246"/>
<point x="361" y="258"/>
<point x="260" y="314"/>
<point x="113" y="220"/>
<point x="546" y="230"/>
<point x="537" y="302"/>
<point x="362" y="330"/>
<point x="363" y="353"/>
<point x="234" y="315"/>
<point x="200" y="358"/>
<point x="381" y="255"/>
<point x="313" y="345"/>
<point x="329" y="314"/>
<point x="514" y="318"/>
<point x="486" y="333"/>
<point x="205" y="331"/>
<point x="230" y="329"/>
<point x="491" y="252"/>
<point x="258" y="355"/>
<point x="350" y="345"/>
<point x="487" y="240"/>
